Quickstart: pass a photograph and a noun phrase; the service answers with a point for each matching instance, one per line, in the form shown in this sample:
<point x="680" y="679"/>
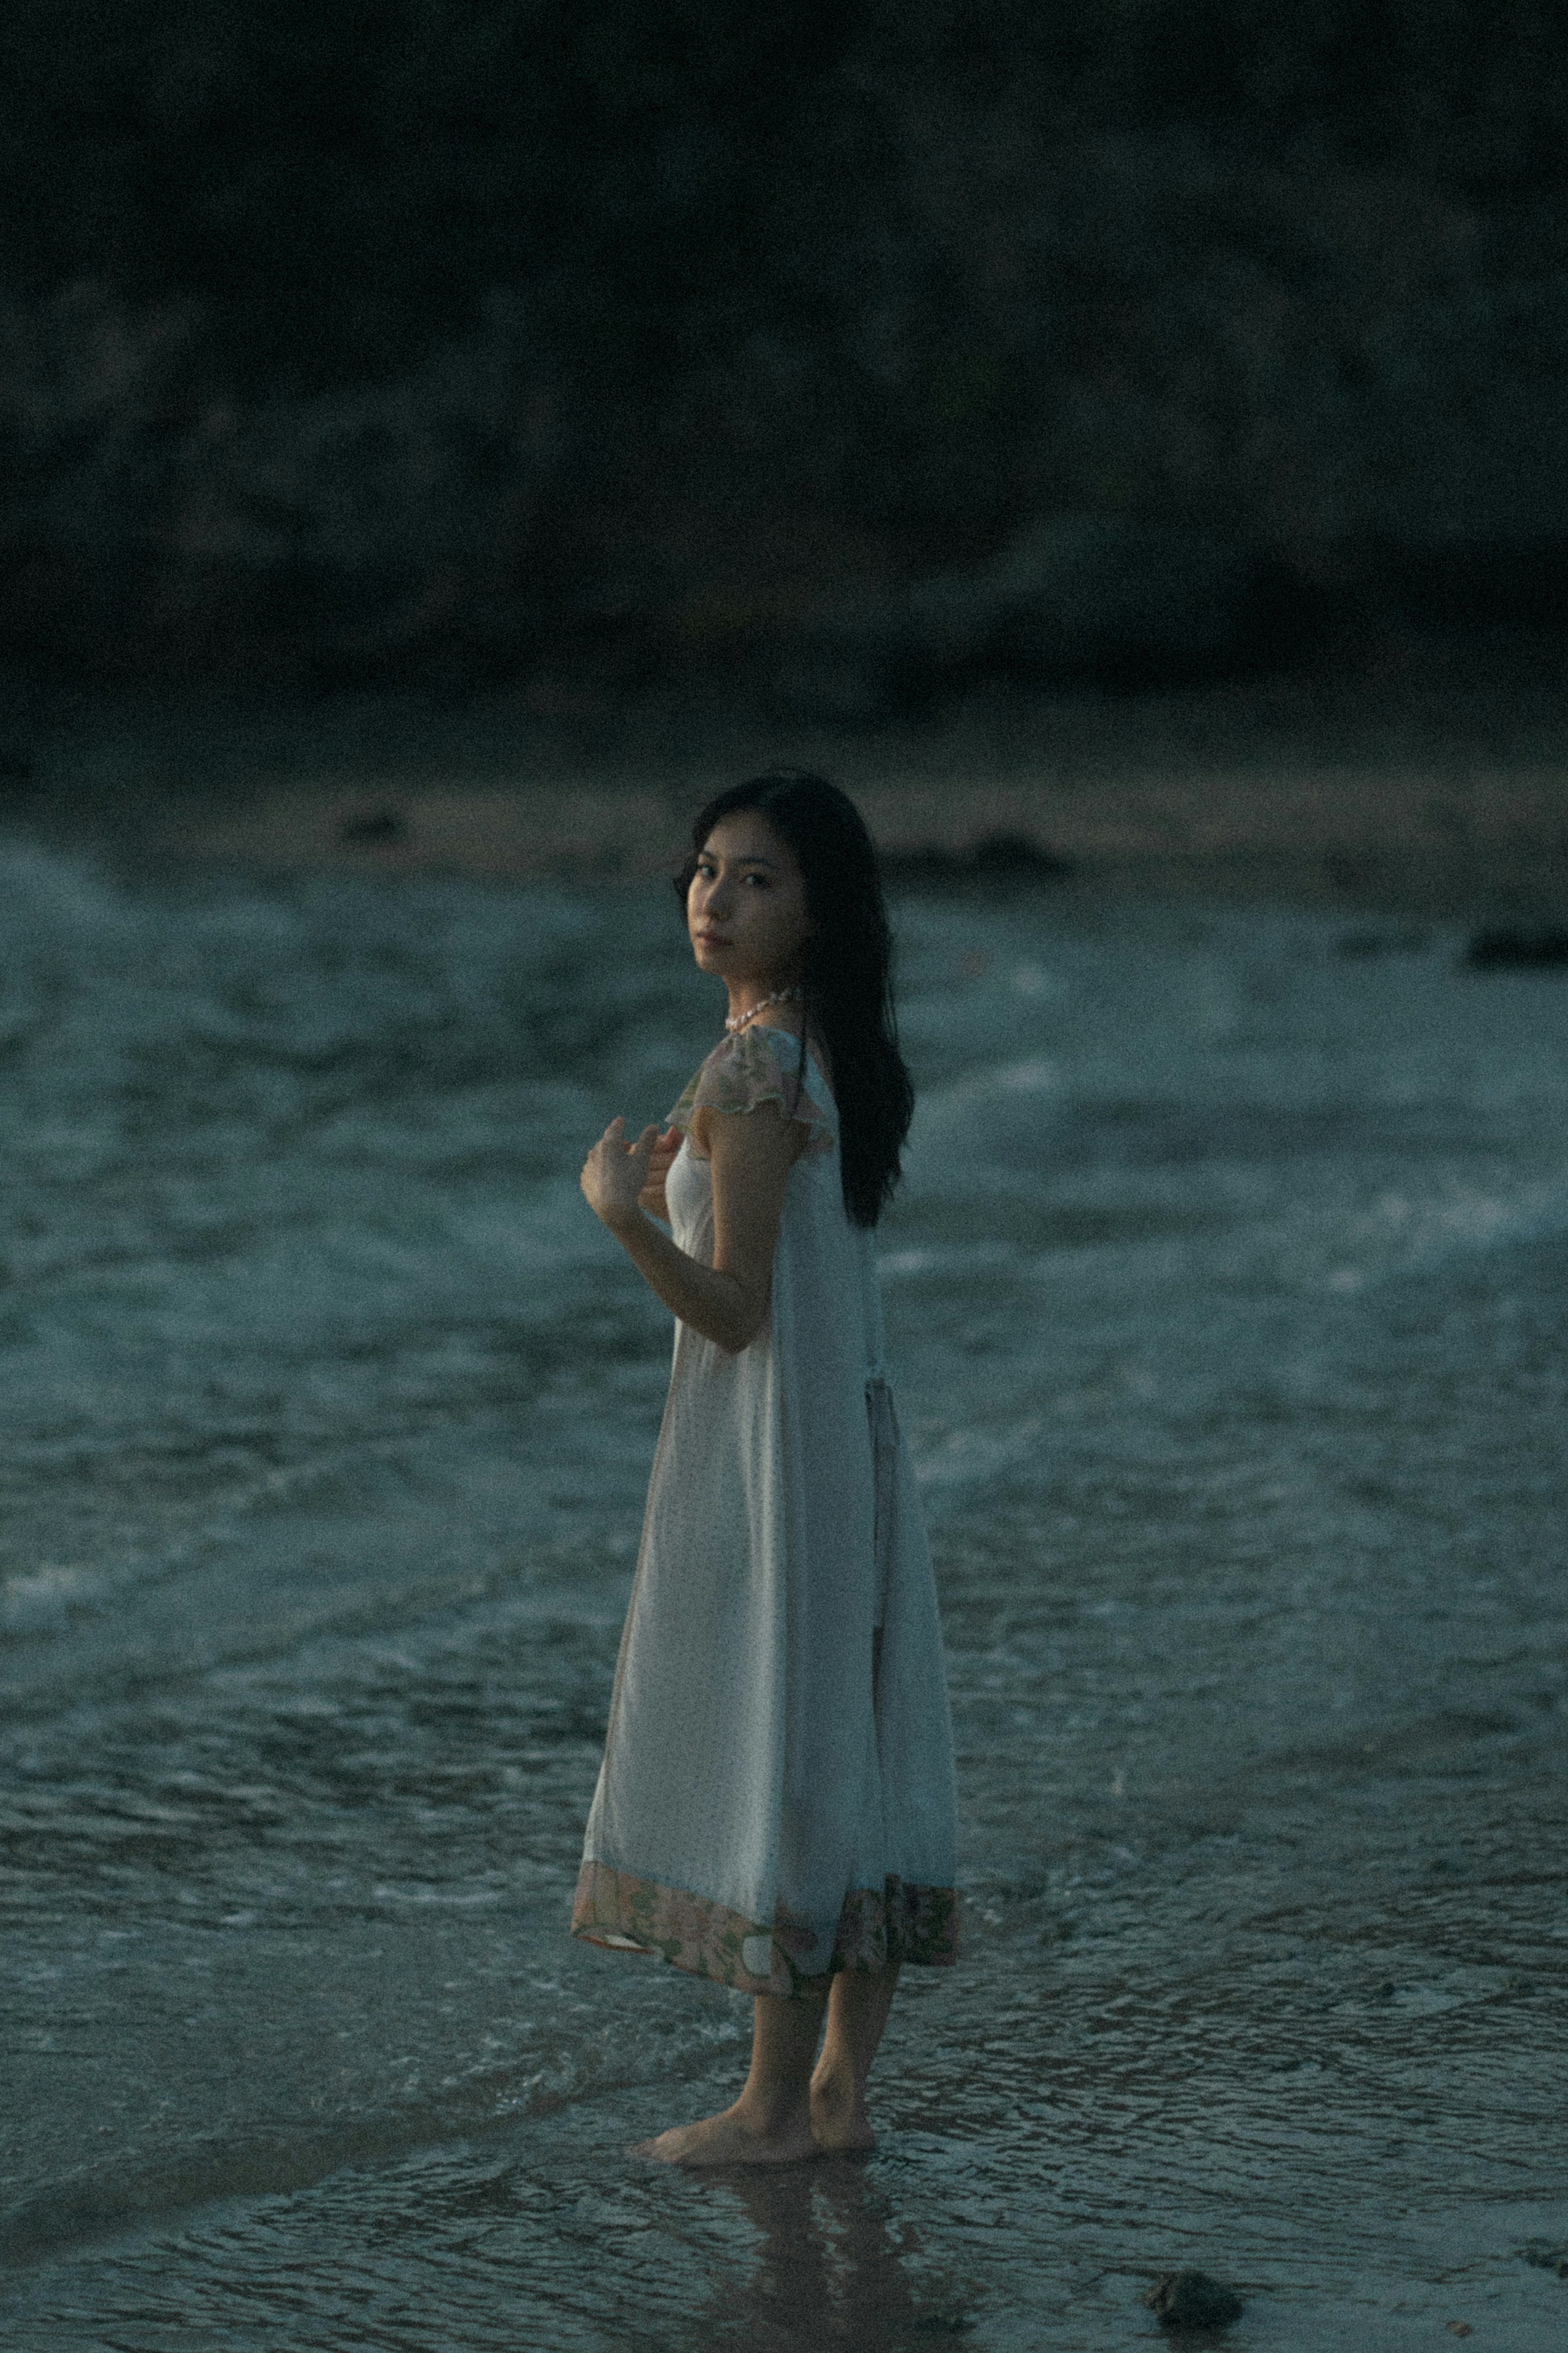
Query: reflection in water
<point x="834" y="2266"/>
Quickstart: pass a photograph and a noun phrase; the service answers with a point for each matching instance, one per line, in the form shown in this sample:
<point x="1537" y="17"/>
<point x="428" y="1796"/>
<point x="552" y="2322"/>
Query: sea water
<point x="1226" y="1301"/>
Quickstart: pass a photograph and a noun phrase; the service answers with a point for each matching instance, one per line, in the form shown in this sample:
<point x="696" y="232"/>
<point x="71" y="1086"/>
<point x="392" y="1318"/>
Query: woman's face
<point x="746" y="907"/>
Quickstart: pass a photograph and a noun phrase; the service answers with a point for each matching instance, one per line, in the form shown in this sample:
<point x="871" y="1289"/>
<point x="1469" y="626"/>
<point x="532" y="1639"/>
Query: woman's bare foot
<point x="736" y="2138"/>
<point x="858" y="2008"/>
<point x="839" y="2123"/>
<point x="770" y="2124"/>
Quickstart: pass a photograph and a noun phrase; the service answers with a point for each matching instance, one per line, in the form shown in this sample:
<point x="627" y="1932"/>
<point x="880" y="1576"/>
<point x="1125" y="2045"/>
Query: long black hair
<point x="847" y="981"/>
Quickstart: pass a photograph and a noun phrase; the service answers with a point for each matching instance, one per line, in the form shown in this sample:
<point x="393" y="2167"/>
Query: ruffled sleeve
<point x="756" y="1066"/>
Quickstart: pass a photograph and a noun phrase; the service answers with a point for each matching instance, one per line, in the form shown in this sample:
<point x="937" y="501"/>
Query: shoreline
<point x="1497" y="842"/>
<point x="1424" y="793"/>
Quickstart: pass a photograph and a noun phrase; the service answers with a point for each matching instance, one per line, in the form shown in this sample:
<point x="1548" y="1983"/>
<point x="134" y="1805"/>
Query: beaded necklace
<point x="735" y="1021"/>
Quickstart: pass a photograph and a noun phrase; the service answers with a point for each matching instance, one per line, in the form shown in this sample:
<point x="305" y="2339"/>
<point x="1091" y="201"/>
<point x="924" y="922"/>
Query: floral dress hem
<point x="878" y="1928"/>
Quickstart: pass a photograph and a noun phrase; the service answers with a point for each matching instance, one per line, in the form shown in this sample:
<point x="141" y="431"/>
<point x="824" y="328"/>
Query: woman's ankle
<point x="839" y="2123"/>
<point x="772" y="2109"/>
<point x="832" y="2086"/>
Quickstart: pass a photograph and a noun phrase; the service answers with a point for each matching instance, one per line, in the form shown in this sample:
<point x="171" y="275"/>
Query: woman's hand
<point x="729" y="1301"/>
<point x="659" y="1161"/>
<point x="615" y="1172"/>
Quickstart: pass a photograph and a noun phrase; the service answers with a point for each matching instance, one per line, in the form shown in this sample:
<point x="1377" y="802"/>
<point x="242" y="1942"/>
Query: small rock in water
<point x="1191" y="2299"/>
<point x="1545" y="2256"/>
<point x="1506" y="949"/>
<point x="994" y="858"/>
<point x="1014" y="853"/>
<point x="377" y="827"/>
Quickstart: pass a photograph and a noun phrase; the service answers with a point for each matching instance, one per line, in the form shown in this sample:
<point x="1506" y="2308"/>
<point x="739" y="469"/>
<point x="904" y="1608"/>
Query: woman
<point x="775" y="1806"/>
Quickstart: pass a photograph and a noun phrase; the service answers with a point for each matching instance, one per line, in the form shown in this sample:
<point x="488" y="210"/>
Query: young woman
<point x="775" y="1807"/>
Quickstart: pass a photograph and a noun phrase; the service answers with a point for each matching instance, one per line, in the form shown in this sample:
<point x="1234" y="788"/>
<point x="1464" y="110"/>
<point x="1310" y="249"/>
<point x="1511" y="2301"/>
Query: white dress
<point x="776" y="1798"/>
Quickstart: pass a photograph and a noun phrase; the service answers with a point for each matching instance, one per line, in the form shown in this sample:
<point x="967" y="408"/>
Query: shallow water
<point x="1226" y="1301"/>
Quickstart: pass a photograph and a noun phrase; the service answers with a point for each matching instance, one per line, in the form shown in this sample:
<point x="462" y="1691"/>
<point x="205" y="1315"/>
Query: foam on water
<point x="1225" y="1298"/>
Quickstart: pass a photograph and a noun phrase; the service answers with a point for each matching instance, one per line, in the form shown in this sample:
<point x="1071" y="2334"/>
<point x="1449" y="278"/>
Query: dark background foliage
<point x="341" y="336"/>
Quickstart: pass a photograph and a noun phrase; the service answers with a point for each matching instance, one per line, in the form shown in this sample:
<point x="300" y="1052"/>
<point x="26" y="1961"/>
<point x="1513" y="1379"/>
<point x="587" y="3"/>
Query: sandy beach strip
<point x="1408" y="836"/>
<point x="1440" y="788"/>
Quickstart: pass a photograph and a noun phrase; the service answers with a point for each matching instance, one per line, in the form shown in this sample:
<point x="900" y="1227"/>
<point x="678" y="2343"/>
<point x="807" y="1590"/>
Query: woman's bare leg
<point x="858" y="2011"/>
<point x="770" y="2123"/>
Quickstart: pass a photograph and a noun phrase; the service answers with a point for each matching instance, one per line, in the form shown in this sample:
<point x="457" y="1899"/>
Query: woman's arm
<point x="752" y="1154"/>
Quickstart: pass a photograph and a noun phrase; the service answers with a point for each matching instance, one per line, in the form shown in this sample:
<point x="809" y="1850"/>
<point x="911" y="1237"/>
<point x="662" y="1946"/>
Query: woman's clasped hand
<point x="620" y="1178"/>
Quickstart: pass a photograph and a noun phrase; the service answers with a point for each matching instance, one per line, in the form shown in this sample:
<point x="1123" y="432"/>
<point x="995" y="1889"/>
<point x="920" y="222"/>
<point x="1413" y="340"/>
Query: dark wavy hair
<point x="847" y="984"/>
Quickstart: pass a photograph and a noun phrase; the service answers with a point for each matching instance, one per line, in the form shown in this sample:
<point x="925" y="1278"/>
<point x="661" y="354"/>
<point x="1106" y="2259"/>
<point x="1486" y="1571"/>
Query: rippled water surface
<point x="1227" y="1304"/>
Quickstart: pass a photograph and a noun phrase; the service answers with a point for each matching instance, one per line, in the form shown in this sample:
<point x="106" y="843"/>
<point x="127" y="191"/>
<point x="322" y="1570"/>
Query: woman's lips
<point x="713" y="940"/>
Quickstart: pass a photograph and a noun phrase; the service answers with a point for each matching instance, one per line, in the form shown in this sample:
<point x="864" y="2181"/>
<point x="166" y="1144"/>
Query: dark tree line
<point x="928" y="268"/>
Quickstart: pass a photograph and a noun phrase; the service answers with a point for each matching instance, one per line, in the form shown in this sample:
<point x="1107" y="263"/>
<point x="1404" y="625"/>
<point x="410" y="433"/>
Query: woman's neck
<point x="753" y="1005"/>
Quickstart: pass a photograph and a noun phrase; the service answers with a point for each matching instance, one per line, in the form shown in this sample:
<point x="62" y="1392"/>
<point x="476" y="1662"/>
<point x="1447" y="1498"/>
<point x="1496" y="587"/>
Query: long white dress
<point x="776" y="1797"/>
